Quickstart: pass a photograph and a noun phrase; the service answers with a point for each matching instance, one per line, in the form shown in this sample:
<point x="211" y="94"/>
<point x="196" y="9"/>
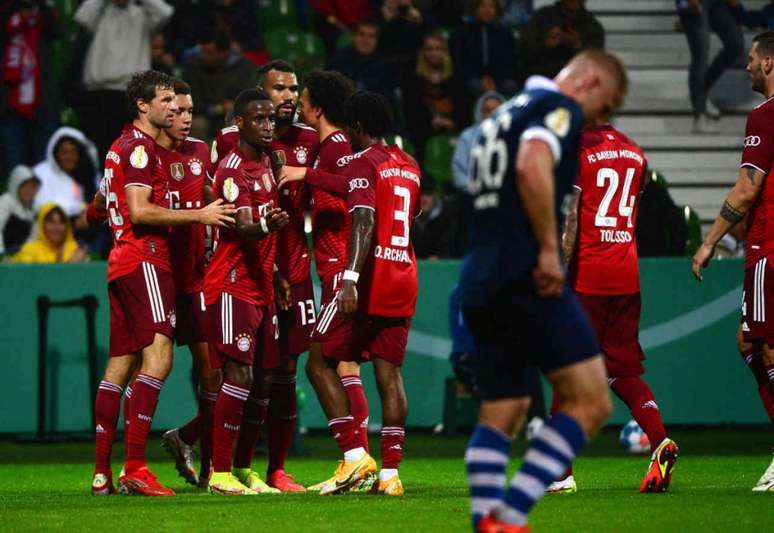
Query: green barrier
<point x="687" y="332"/>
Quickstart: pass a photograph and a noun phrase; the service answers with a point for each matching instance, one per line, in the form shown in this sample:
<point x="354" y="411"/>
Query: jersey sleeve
<point x="551" y="128"/>
<point x="139" y="162"/>
<point x="362" y="185"/>
<point x="758" y="150"/>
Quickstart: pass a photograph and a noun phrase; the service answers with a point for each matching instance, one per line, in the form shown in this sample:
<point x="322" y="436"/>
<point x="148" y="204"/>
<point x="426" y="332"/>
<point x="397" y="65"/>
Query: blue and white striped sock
<point x="550" y="453"/>
<point x="485" y="461"/>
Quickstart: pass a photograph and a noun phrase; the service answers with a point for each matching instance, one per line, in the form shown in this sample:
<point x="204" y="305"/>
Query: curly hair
<point x="371" y="111"/>
<point x="329" y="90"/>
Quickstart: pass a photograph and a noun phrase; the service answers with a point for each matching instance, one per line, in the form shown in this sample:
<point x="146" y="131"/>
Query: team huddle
<point x="210" y="250"/>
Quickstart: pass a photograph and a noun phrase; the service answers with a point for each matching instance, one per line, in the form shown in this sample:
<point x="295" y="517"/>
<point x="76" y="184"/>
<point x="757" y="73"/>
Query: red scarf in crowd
<point x="21" y="71"/>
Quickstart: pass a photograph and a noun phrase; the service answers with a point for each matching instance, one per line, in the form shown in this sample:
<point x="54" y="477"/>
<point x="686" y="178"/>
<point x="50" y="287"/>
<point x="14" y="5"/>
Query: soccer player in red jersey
<point x="239" y="289"/>
<point x="753" y="197"/>
<point x="322" y="106"/>
<point x="182" y="162"/>
<point x="600" y="247"/>
<point x="297" y="145"/>
<point x="140" y="284"/>
<point x="378" y="291"/>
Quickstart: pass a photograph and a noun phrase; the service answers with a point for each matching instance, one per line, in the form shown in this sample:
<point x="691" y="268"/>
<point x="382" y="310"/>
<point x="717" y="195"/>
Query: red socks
<point x="145" y="397"/>
<point x="127" y="412"/>
<point x="107" y="405"/>
<point x="207" y="406"/>
<point x="358" y="405"/>
<point x="392" y="446"/>
<point x="252" y="421"/>
<point x="636" y="394"/>
<point x="762" y="373"/>
<point x="346" y="432"/>
<point x="282" y="419"/>
<point x="225" y="424"/>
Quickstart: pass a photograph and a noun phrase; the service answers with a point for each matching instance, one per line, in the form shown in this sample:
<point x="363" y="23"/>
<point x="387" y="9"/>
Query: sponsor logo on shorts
<point x="751" y="141"/>
<point x="243" y="342"/>
<point x="172" y="319"/>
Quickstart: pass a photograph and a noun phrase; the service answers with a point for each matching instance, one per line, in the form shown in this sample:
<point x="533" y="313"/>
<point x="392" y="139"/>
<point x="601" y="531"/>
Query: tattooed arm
<point x="359" y="246"/>
<point x="738" y="203"/>
<point x="570" y="228"/>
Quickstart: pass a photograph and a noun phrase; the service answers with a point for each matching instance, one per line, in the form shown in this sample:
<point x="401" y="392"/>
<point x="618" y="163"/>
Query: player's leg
<point x="766" y="481"/>
<point x="751" y="354"/>
<point x="281" y="424"/>
<point x="565" y="484"/>
<point x="107" y="405"/>
<point x="210" y="381"/>
<point x="394" y="411"/>
<point x="349" y="372"/>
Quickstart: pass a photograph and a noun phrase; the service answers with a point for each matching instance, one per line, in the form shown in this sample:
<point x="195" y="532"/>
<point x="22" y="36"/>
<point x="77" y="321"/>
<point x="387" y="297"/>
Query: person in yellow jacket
<point x="54" y="241"/>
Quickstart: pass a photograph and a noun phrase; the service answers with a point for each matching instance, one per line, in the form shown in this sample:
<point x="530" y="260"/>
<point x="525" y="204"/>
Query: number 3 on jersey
<point x="626" y="203"/>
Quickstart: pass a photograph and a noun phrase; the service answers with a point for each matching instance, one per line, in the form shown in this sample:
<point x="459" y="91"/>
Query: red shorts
<point x="142" y="303"/>
<point x="756" y="301"/>
<point x="242" y="331"/>
<point x="335" y="335"/>
<point x="297" y="323"/>
<point x="616" y="322"/>
<point x="191" y="318"/>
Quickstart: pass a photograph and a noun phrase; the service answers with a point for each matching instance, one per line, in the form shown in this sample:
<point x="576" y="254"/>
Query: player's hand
<point x="217" y="214"/>
<point x="549" y="274"/>
<point x="701" y="260"/>
<point x="347" y="299"/>
<point x="276" y="218"/>
<point x="290" y="174"/>
<point x="282" y="292"/>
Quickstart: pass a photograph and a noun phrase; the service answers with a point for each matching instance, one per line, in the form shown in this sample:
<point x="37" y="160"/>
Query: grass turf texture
<point x="45" y="487"/>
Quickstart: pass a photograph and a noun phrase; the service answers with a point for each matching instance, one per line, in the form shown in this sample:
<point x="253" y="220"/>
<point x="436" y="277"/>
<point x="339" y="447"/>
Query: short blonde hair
<point x="611" y="65"/>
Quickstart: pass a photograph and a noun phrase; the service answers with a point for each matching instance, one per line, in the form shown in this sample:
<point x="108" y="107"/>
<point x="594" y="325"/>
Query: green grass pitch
<point x="45" y="487"/>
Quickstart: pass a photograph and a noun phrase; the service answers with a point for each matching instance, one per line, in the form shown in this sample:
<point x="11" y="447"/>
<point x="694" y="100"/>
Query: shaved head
<point x="597" y="80"/>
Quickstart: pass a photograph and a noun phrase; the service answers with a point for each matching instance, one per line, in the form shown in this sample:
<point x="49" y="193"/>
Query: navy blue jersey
<point x="503" y="246"/>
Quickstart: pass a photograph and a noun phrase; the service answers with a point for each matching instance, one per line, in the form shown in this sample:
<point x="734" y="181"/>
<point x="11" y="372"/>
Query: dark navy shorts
<point x="518" y="329"/>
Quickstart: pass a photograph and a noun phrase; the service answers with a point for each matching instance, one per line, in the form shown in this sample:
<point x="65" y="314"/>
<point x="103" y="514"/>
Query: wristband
<point x="350" y="275"/>
<point x="264" y="226"/>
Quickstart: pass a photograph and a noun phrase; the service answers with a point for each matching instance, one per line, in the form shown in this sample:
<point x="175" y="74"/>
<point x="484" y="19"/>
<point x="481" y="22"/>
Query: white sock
<point x="387" y="473"/>
<point x="355" y="454"/>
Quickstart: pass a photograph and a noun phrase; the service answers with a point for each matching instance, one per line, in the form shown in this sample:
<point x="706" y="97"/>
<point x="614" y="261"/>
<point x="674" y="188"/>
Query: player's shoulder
<point x="305" y="133"/>
<point x="763" y="112"/>
<point x="401" y="155"/>
<point x="228" y="131"/>
<point x="232" y="161"/>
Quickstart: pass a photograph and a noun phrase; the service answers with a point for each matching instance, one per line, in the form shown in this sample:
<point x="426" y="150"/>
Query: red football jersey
<point x="243" y="269"/>
<point x="131" y="162"/>
<point x="610" y="179"/>
<point x="184" y="170"/>
<point x="300" y="145"/>
<point x="331" y="223"/>
<point x="759" y="154"/>
<point x="386" y="179"/>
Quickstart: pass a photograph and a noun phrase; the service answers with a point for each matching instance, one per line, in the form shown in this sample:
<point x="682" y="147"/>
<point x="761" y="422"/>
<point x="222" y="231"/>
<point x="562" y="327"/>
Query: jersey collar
<point x="541" y="82"/>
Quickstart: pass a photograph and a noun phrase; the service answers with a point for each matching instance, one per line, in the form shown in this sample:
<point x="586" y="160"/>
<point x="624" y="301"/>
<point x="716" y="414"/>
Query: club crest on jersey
<point x="177" y="171"/>
<point x="243" y="342"/>
<point x="230" y="190"/>
<point x="558" y="121"/>
<point x="266" y="178"/>
<point x="196" y="167"/>
<point x="139" y="157"/>
<point x="302" y="154"/>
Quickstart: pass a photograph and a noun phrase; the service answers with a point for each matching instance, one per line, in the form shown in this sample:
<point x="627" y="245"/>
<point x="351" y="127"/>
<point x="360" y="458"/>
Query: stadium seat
<point x="277" y="14"/>
<point x="693" y="223"/>
<point x="657" y="178"/>
<point x="439" y="151"/>
<point x="344" y="40"/>
<point x="304" y="50"/>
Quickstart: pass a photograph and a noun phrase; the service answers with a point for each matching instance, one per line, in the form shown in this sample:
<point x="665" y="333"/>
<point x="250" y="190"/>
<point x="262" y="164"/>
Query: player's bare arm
<point x="207" y="191"/>
<point x="570" y="227"/>
<point x="535" y="183"/>
<point x="143" y="211"/>
<point x="359" y="245"/>
<point x="737" y="204"/>
<point x="273" y="220"/>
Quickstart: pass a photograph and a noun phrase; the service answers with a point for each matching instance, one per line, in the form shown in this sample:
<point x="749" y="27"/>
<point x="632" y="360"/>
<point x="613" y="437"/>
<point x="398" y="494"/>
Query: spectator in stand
<point x="337" y="16"/>
<point x="16" y="212"/>
<point x="434" y="233"/>
<point x="69" y="174"/>
<point x="556" y="33"/>
<point x="362" y="62"/>
<point x="216" y="75"/>
<point x="402" y="27"/>
<point x="485" y="106"/>
<point x="161" y="59"/>
<point x="29" y="98"/>
<point x="698" y="17"/>
<point x="431" y="100"/>
<point x="120" y="46"/>
<point x="54" y="242"/>
<point x="516" y="13"/>
<point x="484" y="51"/>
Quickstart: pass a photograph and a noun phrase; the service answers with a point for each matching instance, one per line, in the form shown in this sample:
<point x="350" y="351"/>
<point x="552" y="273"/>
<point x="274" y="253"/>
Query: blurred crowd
<point x="443" y="64"/>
